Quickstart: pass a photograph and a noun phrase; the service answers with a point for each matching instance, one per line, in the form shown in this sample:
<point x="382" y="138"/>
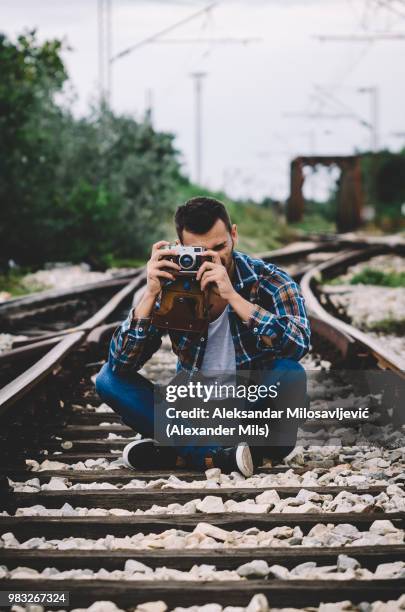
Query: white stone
<point x="302" y="568"/>
<point x="103" y="606"/>
<point x="135" y="566"/>
<point x="32" y="464"/>
<point x="51" y="465"/>
<point x="335" y="607"/>
<point x="344" y="562"/>
<point x="3" y="571"/>
<point x="280" y="572"/>
<point x="389" y="570"/>
<point x="23" y="573"/>
<point x="68" y="510"/>
<point x="152" y="606"/>
<point x="382" y="527"/>
<point x="120" y="512"/>
<point x="33" y="482"/>
<point x="258" y="603"/>
<point x="268" y="497"/>
<point x="9" y="540"/>
<point x="211" y="504"/>
<point x="307" y="508"/>
<point x="212" y="531"/>
<point x="213" y="607"/>
<point x="213" y="474"/>
<point x="254" y="568"/>
<point x="55" y="484"/>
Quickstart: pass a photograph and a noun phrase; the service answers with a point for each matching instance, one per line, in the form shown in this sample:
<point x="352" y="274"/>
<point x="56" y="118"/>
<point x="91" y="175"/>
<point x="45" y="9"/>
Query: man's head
<point x="204" y="221"/>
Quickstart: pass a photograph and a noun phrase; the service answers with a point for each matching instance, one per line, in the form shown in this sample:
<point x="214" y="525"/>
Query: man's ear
<point x="234" y="234"/>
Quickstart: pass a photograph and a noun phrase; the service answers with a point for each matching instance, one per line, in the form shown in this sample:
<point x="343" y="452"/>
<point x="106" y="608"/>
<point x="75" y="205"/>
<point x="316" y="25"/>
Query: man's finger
<point x="214" y="255"/>
<point x="163" y="274"/>
<point x="207" y="265"/>
<point x="208" y="278"/>
<point x="166" y="263"/>
<point x="159" y="244"/>
<point x="162" y="253"/>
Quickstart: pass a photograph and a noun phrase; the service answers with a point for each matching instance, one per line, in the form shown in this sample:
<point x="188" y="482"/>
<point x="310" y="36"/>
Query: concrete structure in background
<point x="350" y="194"/>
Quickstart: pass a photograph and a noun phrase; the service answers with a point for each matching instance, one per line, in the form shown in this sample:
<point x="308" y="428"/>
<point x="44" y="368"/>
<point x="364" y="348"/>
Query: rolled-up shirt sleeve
<point x="133" y="343"/>
<point x="280" y="315"/>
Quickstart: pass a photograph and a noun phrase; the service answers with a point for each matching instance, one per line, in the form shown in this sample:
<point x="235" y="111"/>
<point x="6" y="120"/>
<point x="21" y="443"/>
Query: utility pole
<point x="100" y="23"/>
<point x="104" y="20"/>
<point x="149" y="106"/>
<point x="198" y="77"/>
<point x="109" y="50"/>
<point x="374" y="111"/>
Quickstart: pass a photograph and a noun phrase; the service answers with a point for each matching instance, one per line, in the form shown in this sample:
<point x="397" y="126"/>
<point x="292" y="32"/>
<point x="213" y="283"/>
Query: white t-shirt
<point x="219" y="356"/>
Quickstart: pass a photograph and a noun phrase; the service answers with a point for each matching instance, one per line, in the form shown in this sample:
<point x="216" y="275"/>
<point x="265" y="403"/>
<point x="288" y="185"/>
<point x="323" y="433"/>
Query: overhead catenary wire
<point x="210" y="41"/>
<point x="167" y="30"/>
<point x="360" y="37"/>
<point x="386" y="4"/>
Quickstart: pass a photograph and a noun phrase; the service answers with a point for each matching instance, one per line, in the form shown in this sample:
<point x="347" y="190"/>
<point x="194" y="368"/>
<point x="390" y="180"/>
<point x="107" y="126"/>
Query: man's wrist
<point x="234" y="298"/>
<point x="144" y="309"/>
<point x="148" y="295"/>
<point x="243" y="308"/>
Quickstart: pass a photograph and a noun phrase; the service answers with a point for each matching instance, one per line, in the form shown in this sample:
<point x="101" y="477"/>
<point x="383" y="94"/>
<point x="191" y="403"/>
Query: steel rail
<point x="68" y="340"/>
<point x="31" y="345"/>
<point x="128" y="593"/>
<point x="51" y="295"/>
<point x="332" y="327"/>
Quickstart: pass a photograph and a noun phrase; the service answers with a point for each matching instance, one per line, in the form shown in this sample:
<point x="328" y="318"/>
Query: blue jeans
<point x="131" y="396"/>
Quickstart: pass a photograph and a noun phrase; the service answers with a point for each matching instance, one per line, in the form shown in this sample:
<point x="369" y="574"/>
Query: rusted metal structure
<point x="350" y="196"/>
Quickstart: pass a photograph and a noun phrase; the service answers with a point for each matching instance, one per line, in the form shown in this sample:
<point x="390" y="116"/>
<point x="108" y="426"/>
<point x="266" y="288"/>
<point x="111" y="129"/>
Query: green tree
<point x="384" y="184"/>
<point x="74" y="189"/>
<point x="31" y="74"/>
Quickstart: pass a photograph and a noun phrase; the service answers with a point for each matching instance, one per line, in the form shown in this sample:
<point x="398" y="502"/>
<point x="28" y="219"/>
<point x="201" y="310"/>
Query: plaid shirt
<point x="279" y="314"/>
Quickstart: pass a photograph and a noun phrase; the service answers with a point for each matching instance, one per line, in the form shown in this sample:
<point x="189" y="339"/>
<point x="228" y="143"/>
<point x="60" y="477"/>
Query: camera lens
<point x="186" y="261"/>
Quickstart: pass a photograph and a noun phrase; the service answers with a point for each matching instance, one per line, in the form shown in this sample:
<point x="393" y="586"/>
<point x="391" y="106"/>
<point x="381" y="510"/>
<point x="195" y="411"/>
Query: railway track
<point x="109" y="533"/>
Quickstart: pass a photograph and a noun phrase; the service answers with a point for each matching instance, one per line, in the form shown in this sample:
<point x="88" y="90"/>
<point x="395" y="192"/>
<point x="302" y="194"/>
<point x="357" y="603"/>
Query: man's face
<point x="217" y="238"/>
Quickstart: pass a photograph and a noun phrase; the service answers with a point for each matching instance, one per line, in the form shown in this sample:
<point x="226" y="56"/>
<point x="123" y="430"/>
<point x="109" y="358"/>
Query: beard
<point x="229" y="265"/>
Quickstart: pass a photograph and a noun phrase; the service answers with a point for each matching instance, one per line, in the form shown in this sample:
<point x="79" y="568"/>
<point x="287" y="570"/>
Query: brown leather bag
<point x="183" y="306"/>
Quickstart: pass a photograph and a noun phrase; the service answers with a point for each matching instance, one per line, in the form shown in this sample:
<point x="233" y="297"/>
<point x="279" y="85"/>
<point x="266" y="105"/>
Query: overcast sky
<point x="249" y="90"/>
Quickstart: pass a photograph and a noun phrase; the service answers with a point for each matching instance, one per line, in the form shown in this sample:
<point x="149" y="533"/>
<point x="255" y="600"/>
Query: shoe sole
<point x="244" y="460"/>
<point x="131" y="445"/>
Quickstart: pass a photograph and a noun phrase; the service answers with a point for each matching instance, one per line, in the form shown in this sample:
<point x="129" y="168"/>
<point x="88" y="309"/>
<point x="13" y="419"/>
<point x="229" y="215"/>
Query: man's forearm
<point x="144" y="309"/>
<point x="242" y="307"/>
<point x="244" y="310"/>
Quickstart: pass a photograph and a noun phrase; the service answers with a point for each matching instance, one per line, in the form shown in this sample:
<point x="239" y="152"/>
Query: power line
<point x="360" y="37"/>
<point x="315" y="115"/>
<point x="322" y="91"/>
<point x="387" y="5"/>
<point x="162" y="32"/>
<point x="218" y="41"/>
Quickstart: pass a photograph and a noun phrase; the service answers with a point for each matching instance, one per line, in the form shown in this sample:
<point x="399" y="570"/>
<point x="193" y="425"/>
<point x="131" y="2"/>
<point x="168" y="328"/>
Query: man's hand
<point x="157" y="269"/>
<point x="214" y="272"/>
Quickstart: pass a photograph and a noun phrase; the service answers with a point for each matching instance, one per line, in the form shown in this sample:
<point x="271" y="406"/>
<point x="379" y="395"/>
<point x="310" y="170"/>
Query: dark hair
<point x="199" y="214"/>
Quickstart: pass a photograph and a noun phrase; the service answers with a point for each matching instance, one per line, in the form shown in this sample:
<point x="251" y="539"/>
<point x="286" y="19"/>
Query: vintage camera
<point x="189" y="258"/>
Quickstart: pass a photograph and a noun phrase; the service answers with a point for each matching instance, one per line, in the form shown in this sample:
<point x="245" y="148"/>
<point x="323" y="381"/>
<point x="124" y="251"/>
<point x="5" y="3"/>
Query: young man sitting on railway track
<point x="257" y="322"/>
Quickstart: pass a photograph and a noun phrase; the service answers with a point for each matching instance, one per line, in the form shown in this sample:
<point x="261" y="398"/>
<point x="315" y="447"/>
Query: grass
<point x="13" y="283"/>
<point x="313" y="223"/>
<point x="395" y="327"/>
<point x="370" y="276"/>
